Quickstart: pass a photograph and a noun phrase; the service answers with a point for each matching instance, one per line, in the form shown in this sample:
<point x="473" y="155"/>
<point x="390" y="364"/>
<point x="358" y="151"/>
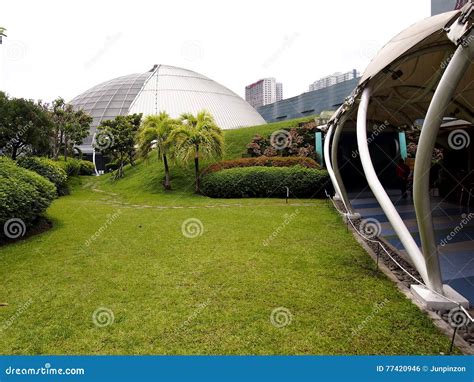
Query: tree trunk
<point x="167" y="183"/>
<point x="14" y="152"/>
<point x="57" y="147"/>
<point x="65" y="148"/>
<point x="119" y="173"/>
<point x="196" y="169"/>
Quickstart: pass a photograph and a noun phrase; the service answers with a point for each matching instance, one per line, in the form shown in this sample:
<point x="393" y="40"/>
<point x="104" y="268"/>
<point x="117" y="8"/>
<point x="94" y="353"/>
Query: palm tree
<point x="155" y="133"/>
<point x="197" y="137"/>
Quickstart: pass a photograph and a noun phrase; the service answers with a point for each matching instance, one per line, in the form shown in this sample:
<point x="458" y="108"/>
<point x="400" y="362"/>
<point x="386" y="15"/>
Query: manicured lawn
<point x="212" y="294"/>
<point x="120" y="246"/>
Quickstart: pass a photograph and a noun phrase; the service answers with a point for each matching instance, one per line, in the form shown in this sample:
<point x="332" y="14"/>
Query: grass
<point x="120" y="246"/>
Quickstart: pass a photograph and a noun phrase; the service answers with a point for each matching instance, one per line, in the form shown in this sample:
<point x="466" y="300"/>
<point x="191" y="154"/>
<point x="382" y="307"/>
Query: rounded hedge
<point x="24" y="194"/>
<point x="86" y="167"/>
<point x="48" y="168"/>
<point x="265" y="182"/>
<point x="75" y="167"/>
<point x="71" y="166"/>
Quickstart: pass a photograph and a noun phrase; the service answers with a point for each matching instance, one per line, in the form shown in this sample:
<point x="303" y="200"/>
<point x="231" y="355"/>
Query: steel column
<point x="421" y="179"/>
<point x="379" y="192"/>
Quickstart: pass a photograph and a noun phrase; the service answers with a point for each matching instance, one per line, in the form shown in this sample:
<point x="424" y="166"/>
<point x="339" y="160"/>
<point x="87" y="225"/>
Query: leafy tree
<point x="70" y="127"/>
<point x="197" y="137"/>
<point x="155" y="133"/>
<point x="115" y="138"/>
<point x="25" y="126"/>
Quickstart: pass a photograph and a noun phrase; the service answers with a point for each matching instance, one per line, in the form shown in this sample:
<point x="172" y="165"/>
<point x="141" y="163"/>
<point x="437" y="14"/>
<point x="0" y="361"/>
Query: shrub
<point x="112" y="166"/>
<point x="265" y="182"/>
<point x="86" y="167"/>
<point x="295" y="141"/>
<point x="263" y="161"/>
<point x="71" y="166"/>
<point x="24" y="194"/>
<point x="48" y="168"/>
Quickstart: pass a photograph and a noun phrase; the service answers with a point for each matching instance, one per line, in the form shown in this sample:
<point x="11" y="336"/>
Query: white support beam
<point x="335" y="168"/>
<point x="327" y="159"/>
<point x="453" y="74"/>
<point x="379" y="192"/>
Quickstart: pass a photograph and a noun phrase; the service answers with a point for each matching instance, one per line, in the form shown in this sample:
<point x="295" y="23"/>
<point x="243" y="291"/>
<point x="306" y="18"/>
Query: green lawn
<point x="120" y="246"/>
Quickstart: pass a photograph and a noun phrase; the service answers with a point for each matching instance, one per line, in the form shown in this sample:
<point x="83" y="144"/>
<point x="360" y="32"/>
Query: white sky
<point x="62" y="48"/>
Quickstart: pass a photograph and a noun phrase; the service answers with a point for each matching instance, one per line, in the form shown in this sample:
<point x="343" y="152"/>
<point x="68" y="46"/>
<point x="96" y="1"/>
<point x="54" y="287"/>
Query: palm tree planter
<point x="197" y="137"/>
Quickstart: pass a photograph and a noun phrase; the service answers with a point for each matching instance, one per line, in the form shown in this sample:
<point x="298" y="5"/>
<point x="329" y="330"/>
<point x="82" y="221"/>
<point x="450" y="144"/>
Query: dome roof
<point x="166" y="88"/>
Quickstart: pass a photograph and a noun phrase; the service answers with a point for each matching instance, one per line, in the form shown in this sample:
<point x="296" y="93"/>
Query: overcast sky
<point x="62" y="48"/>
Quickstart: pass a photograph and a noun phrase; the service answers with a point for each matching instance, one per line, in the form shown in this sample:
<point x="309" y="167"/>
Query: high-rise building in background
<point x="264" y="92"/>
<point x="440" y="6"/>
<point x="333" y="79"/>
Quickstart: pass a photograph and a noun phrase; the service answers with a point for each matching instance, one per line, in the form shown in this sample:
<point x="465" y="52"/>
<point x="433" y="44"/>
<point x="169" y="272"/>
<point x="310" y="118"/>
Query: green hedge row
<point x="48" y="168"/>
<point x="263" y="161"/>
<point x="24" y="194"/>
<point x="265" y="182"/>
<point x="74" y="167"/>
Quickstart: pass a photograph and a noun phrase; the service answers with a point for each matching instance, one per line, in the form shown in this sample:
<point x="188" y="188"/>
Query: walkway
<point x="454" y="228"/>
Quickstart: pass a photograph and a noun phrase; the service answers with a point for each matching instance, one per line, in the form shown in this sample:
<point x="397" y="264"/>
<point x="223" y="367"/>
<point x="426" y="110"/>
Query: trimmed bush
<point x="263" y="161"/>
<point x="265" y="182"/>
<point x="71" y="166"/>
<point x="48" y="168"/>
<point x="24" y="194"/>
<point x="86" y="167"/>
<point x="75" y="167"/>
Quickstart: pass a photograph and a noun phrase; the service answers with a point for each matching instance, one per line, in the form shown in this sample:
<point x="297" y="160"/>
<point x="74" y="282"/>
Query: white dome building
<point x="164" y="88"/>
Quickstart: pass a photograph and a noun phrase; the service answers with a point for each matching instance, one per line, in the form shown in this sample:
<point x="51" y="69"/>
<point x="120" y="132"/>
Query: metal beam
<point x="379" y="192"/>
<point x="335" y="166"/>
<point x="327" y="158"/>
<point x="421" y="179"/>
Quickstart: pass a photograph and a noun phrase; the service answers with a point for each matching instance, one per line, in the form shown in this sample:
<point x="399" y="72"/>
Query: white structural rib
<point x="379" y="192"/>
<point x="421" y="180"/>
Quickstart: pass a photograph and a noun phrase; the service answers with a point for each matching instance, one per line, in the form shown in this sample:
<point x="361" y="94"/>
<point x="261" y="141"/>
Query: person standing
<point x="403" y="173"/>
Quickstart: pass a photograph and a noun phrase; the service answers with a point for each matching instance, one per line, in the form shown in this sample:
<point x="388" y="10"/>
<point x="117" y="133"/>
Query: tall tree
<point x="116" y="139"/>
<point x="25" y="126"/>
<point x="70" y="127"/>
<point x="197" y="137"/>
<point x="155" y="133"/>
